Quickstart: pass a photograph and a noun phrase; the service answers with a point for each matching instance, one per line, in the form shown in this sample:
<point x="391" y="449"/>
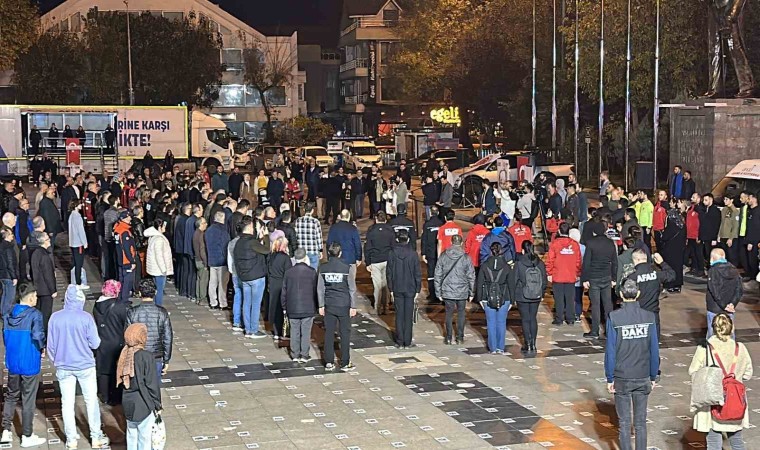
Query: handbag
<point x="158" y="434"/>
<point x="707" y="384"/>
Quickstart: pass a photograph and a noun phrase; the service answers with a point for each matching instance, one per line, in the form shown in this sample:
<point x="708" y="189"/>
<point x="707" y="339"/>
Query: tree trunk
<point x="268" y="130"/>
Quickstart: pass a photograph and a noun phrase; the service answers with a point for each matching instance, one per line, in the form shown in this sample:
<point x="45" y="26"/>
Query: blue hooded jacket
<point x="502" y="236"/>
<point x="24" y="336"/>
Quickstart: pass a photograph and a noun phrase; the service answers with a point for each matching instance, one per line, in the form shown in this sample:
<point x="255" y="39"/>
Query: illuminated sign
<point x="446" y="115"/>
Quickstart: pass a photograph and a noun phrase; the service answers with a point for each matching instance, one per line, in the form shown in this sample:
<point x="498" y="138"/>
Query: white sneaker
<point x="84" y="287"/>
<point x="7" y="437"/>
<point x="101" y="442"/>
<point x="72" y="445"/>
<point x="32" y="441"/>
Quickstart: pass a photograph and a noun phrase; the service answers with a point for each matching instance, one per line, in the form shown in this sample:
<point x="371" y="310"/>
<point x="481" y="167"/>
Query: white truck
<point x="193" y="137"/>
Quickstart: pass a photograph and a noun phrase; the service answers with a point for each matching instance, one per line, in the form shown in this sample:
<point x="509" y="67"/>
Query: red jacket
<point x="473" y="241"/>
<point x="563" y="263"/>
<point x="658" y="217"/>
<point x="89" y="207"/>
<point x="692" y="223"/>
<point x="521" y="233"/>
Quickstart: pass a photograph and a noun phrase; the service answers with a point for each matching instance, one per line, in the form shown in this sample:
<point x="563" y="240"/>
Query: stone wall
<point x="709" y="137"/>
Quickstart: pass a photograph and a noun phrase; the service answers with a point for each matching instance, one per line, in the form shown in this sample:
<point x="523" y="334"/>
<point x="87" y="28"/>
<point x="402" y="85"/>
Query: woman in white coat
<point x="723" y="347"/>
<point x="158" y="258"/>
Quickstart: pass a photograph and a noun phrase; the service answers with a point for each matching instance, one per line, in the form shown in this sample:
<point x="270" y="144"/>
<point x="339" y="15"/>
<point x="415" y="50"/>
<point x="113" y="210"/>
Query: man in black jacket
<point x="709" y="225"/>
<point x="241" y="211"/>
<point x="752" y="239"/>
<point x="156" y="318"/>
<point x="8" y="270"/>
<point x="404" y="282"/>
<point x="290" y="233"/>
<point x="181" y="271"/>
<point x="724" y="288"/>
<point x="332" y="189"/>
<point x="43" y="273"/>
<point x="380" y="238"/>
<point x="429" y="249"/>
<point x="401" y="222"/>
<point x="251" y="267"/>
<point x="299" y="301"/>
<point x="599" y="271"/>
<point x="688" y="187"/>
<point x="336" y="291"/>
<point x="650" y="280"/>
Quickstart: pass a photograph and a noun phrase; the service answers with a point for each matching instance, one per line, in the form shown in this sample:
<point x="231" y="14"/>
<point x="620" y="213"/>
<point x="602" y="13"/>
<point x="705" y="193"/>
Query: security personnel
<point x="335" y="292"/>
<point x="430" y="248"/>
<point x="631" y="362"/>
<point x="649" y="280"/>
<point x="401" y="222"/>
<point x="126" y="254"/>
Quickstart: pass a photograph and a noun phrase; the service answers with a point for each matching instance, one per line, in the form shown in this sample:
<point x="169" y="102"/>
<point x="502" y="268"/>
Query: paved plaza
<point x="226" y="392"/>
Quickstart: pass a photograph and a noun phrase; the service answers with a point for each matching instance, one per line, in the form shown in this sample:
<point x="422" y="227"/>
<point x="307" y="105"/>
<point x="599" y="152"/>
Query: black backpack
<point x="534" y="283"/>
<point x="493" y="291"/>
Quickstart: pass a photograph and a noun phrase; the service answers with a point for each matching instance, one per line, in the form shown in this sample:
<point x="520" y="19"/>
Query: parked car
<point x="362" y="155"/>
<point x="316" y="153"/>
<point x="453" y="158"/>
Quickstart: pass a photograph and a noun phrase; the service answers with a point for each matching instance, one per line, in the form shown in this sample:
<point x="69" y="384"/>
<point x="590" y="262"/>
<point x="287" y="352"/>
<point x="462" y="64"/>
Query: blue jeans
<point x="313" y="260"/>
<point x="159" y="369"/>
<point x="633" y="392"/>
<point x="67" y="382"/>
<point x="253" y="292"/>
<point x="710" y="317"/>
<point x="237" y="301"/>
<point x="139" y="434"/>
<point x="160" y="283"/>
<point x="8" y="298"/>
<point x="496" y="322"/>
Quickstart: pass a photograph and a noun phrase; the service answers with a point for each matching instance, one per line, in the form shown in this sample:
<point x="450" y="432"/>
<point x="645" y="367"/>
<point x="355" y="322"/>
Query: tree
<point x="50" y="71"/>
<point x="18" y="29"/>
<point x="300" y="131"/>
<point x="173" y="62"/>
<point x="269" y="66"/>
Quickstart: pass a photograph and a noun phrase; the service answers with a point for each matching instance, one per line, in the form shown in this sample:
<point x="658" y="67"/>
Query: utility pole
<point x="129" y="57"/>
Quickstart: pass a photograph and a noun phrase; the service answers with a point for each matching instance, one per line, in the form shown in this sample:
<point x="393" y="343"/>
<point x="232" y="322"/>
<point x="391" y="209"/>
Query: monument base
<point x="709" y="137"/>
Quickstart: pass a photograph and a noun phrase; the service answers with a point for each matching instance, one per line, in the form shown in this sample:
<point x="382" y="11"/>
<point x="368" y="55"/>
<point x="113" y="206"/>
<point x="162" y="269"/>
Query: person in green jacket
<point x="728" y="234"/>
<point x="644" y="211"/>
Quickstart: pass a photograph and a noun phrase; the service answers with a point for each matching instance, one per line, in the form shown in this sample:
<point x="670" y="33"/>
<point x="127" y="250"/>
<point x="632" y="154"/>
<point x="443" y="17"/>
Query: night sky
<point x="317" y="21"/>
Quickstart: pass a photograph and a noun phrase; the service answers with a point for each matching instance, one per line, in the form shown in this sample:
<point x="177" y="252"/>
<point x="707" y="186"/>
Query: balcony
<point x="353" y="104"/>
<point x="354" y="69"/>
<point x="368" y="29"/>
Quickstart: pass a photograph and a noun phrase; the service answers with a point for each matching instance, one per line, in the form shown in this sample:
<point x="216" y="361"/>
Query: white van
<point x="745" y="176"/>
<point x="362" y="154"/>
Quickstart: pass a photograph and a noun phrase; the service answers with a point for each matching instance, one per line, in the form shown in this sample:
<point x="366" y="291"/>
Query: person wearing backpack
<point x="736" y="362"/>
<point x="631" y="363"/>
<point x="563" y="265"/>
<point x="529" y="291"/>
<point x="455" y="284"/>
<point x="495" y="291"/>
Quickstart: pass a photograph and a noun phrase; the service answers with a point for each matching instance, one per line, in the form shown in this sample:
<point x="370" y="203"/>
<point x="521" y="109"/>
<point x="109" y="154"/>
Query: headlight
<point x="361" y="160"/>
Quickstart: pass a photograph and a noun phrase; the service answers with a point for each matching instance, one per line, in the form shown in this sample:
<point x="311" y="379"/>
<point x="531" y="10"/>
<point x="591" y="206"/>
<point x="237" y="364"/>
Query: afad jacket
<point x="564" y="261"/>
<point x="126" y="252"/>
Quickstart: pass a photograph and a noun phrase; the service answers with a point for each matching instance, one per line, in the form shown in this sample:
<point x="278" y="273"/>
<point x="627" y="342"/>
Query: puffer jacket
<point x="160" y="336"/>
<point x="455" y="275"/>
<point x="158" y="258"/>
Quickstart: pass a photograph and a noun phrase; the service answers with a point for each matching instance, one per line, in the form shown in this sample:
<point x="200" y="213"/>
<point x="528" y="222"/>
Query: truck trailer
<point x="194" y="138"/>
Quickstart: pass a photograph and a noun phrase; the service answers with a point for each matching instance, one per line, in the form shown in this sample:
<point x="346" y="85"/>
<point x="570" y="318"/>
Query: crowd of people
<point x="256" y="247"/>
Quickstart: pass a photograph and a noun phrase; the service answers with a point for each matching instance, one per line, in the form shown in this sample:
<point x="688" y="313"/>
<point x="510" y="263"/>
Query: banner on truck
<point x="152" y="129"/>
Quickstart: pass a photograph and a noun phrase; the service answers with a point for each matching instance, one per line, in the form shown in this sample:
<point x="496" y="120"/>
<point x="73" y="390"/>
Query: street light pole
<point x="627" y="95"/>
<point x="601" y="85"/>
<point x="533" y="84"/>
<point x="129" y="57"/>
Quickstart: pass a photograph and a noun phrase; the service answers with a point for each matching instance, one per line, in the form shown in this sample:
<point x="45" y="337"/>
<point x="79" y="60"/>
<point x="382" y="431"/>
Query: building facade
<point x="238" y="105"/>
<point x="322" y="87"/>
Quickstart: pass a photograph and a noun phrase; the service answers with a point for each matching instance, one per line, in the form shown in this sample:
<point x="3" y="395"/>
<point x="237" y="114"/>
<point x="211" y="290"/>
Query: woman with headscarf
<point x="279" y="262"/>
<point x="673" y="240"/>
<point x="110" y="317"/>
<point x="136" y="370"/>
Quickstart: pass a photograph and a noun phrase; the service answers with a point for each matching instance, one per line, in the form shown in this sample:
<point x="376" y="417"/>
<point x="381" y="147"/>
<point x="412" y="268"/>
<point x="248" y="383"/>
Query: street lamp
<point x="129" y="57"/>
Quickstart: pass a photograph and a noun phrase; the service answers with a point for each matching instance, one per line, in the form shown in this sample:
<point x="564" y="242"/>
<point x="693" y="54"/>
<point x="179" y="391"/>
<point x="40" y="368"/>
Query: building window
<point x="390" y="89"/>
<point x="300" y="92"/>
<point x="76" y="22"/>
<point x="390" y="16"/>
<point x="252" y="97"/>
<point x="230" y="95"/>
<point x="232" y="58"/>
<point x="277" y="96"/>
<point x="65" y="25"/>
<point x="174" y="16"/>
<point x="387" y="51"/>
